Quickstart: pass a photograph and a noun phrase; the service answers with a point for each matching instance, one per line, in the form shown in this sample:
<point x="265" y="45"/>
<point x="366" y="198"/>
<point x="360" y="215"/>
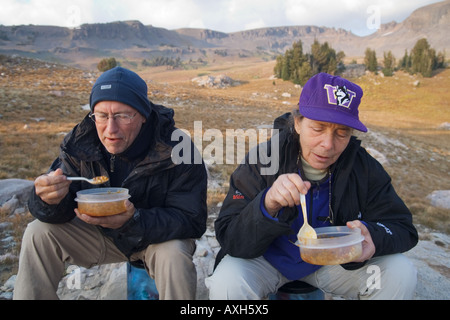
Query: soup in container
<point x="334" y="245"/>
<point x="101" y="202"/>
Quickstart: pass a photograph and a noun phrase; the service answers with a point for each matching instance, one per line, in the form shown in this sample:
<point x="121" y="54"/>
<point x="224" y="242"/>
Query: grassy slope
<point x="403" y="119"/>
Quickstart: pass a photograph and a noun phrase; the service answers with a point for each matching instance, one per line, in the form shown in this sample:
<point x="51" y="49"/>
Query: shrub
<point x="106" y="64"/>
<point x="370" y="60"/>
<point x="389" y="64"/>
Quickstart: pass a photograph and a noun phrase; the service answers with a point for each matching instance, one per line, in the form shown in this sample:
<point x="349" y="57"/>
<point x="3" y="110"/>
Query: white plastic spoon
<point x="306" y="231"/>
<point x="95" y="180"/>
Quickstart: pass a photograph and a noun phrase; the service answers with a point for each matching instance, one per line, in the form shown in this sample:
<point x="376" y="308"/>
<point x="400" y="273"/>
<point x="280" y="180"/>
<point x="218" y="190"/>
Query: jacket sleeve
<point x="242" y="229"/>
<point x="62" y="212"/>
<point x="182" y="216"/>
<point x="386" y="215"/>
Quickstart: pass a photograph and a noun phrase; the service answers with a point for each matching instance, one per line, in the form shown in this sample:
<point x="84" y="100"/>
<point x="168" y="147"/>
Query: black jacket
<point x="170" y="199"/>
<point x="361" y="189"/>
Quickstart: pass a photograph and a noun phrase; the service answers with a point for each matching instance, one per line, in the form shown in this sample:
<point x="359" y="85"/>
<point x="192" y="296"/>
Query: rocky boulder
<point x="216" y="82"/>
<point x="14" y="194"/>
<point x="109" y="282"/>
<point x="440" y="199"/>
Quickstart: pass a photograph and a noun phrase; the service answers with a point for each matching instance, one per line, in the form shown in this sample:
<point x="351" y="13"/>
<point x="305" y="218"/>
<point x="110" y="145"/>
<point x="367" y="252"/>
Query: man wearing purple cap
<point x="344" y="185"/>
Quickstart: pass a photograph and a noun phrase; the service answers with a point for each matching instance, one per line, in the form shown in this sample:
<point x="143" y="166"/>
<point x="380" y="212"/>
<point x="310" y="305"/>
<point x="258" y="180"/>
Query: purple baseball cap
<point x="332" y="99"/>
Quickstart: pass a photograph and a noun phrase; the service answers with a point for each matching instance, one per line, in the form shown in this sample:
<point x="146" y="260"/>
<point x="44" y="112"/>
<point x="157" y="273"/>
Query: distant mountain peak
<point x="133" y="40"/>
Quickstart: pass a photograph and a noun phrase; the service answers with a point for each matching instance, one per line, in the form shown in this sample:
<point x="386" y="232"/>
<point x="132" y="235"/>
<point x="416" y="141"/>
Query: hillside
<point x="41" y="101"/>
<point x="132" y="41"/>
<point x="431" y="22"/>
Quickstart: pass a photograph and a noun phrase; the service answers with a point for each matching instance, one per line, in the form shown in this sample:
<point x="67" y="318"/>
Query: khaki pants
<point x="382" y="278"/>
<point x="46" y="248"/>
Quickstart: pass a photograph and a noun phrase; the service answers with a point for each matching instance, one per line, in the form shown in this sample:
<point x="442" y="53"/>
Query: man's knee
<point x="174" y="249"/>
<point x="169" y="256"/>
<point x="36" y="231"/>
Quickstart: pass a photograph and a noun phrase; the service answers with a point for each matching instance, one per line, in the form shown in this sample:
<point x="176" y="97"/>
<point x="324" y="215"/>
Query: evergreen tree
<point x="298" y="67"/>
<point x="296" y="60"/>
<point x="440" y="60"/>
<point x="279" y="66"/>
<point x="370" y="60"/>
<point x="405" y="62"/>
<point x="389" y="63"/>
<point x="325" y="59"/>
<point x="423" y="58"/>
<point x="304" y="73"/>
<point x="286" y="70"/>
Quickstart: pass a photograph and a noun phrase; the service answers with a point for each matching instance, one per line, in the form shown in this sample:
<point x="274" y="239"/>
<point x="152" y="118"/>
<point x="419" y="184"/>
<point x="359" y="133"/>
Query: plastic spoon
<point x="95" y="180"/>
<point x="306" y="231"/>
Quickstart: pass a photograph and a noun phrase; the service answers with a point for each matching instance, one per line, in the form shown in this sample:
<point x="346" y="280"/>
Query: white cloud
<point x="44" y="12"/>
<point x="344" y="14"/>
<point x="196" y="24"/>
<point x="169" y="14"/>
<point x="257" y="24"/>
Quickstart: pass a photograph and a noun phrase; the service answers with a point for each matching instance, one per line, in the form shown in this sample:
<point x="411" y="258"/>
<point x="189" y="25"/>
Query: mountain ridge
<point x="133" y="40"/>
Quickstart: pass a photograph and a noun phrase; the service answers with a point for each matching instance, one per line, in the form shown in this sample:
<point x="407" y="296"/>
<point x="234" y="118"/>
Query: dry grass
<point x="409" y="115"/>
<point x="396" y="102"/>
<point x="412" y="115"/>
<point x="403" y="121"/>
<point x="393" y="107"/>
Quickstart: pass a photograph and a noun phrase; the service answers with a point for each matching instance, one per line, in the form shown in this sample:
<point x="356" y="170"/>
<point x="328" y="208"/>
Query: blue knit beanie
<point x="123" y="85"/>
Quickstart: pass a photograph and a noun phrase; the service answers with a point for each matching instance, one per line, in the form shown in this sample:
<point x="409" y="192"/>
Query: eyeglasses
<point x="120" y="118"/>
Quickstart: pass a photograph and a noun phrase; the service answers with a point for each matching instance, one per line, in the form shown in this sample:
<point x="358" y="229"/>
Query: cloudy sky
<point x="362" y="17"/>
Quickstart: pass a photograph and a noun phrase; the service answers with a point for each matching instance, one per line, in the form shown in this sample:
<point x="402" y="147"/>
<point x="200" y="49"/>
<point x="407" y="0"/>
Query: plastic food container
<point x="102" y="201"/>
<point x="334" y="245"/>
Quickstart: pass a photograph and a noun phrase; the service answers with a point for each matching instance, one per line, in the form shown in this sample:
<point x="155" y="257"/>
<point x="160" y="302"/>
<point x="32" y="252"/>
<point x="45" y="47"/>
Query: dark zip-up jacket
<point x="170" y="199"/>
<point x="361" y="189"/>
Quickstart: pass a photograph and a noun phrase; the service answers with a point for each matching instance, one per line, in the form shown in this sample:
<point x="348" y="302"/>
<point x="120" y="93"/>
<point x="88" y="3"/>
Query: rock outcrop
<point x="109" y="282"/>
<point x="132" y="38"/>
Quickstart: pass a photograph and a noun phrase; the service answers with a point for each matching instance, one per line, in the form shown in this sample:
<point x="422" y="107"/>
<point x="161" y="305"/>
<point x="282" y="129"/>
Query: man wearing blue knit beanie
<point x="123" y="85"/>
<point x="126" y="138"/>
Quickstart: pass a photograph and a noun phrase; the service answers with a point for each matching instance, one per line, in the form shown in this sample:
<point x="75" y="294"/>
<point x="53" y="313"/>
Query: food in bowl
<point x="334" y="245"/>
<point x="101" y="202"/>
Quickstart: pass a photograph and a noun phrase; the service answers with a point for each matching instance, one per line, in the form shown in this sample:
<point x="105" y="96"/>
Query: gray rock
<point x="10" y="206"/>
<point x="6" y="291"/>
<point x="15" y="187"/>
<point x="440" y="198"/>
<point x="432" y="260"/>
<point x="105" y="282"/>
<point x="109" y="282"/>
<point x="220" y="81"/>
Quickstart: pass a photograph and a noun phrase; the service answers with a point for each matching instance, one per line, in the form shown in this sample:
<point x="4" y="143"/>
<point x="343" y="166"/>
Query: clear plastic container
<point x="102" y="201"/>
<point x="334" y="245"/>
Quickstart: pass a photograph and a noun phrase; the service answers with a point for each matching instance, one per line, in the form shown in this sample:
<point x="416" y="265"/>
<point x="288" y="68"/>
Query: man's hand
<point x="368" y="248"/>
<point x="285" y="192"/>
<point x="52" y="187"/>
<point x="111" y="222"/>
